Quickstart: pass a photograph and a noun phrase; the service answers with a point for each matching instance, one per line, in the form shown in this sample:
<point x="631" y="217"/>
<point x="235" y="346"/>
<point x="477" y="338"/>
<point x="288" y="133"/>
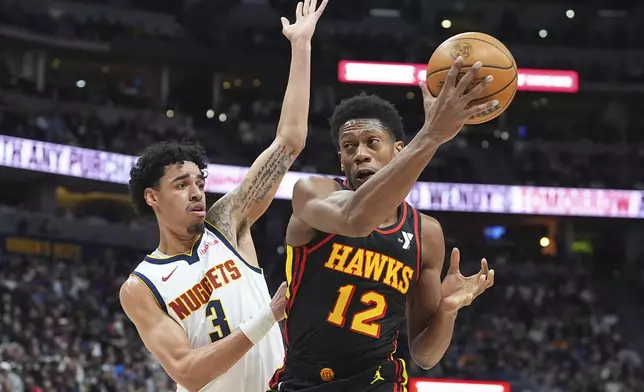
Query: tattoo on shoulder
<point x="220" y="215"/>
<point x="251" y="192"/>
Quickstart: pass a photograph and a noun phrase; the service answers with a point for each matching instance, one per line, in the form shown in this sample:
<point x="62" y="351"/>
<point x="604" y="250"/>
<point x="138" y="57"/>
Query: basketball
<point x="496" y="59"/>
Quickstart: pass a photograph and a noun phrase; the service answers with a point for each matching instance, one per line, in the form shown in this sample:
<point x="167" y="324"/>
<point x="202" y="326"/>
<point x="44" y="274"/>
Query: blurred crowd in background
<point x="552" y="324"/>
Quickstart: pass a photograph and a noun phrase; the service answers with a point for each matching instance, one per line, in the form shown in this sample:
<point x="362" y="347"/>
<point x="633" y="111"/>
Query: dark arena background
<point x="551" y="192"/>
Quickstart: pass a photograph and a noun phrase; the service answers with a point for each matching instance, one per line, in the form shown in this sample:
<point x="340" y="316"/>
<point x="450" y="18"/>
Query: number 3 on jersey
<point x="220" y="327"/>
<point x="363" y="321"/>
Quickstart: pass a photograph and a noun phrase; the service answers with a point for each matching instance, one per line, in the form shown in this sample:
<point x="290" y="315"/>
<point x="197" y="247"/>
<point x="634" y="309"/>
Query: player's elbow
<point x="190" y="369"/>
<point x="190" y="383"/>
<point x="424" y="363"/>
<point x="293" y="138"/>
<point x="181" y="377"/>
<point x="187" y="374"/>
<point x="422" y="357"/>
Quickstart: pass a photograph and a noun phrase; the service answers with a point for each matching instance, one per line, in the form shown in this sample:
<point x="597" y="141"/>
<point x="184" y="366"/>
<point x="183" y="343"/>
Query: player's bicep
<point x="162" y="336"/>
<point x="318" y="203"/>
<point x="425" y="299"/>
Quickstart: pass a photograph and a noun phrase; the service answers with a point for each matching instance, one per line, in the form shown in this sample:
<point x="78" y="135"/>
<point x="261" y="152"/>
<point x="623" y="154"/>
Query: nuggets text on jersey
<point x="199" y="295"/>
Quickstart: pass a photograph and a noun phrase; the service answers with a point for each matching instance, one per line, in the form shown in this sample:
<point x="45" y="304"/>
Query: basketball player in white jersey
<point x="199" y="301"/>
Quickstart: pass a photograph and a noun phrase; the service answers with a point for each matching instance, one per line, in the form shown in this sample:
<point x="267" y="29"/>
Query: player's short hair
<point x="150" y="168"/>
<point x="364" y="106"/>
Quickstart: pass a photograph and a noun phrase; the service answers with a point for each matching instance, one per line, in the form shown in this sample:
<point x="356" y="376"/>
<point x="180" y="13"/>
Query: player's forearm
<point x="430" y="345"/>
<point x="374" y="201"/>
<point x="204" y="364"/>
<point x="293" y="125"/>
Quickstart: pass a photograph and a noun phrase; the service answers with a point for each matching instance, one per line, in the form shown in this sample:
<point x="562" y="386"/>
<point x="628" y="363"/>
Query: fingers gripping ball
<point x="496" y="59"/>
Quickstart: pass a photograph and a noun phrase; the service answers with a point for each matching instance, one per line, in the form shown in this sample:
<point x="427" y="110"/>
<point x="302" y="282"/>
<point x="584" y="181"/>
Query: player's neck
<point x="171" y="243"/>
<point x="391" y="220"/>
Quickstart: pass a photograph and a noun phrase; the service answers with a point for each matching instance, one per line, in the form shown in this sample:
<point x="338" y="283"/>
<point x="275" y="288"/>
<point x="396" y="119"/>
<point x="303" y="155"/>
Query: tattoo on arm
<point x="255" y="187"/>
<point x="220" y="215"/>
<point x="251" y="193"/>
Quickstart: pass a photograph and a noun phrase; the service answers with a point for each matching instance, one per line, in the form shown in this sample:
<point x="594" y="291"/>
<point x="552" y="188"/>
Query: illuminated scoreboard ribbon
<point x="502" y="199"/>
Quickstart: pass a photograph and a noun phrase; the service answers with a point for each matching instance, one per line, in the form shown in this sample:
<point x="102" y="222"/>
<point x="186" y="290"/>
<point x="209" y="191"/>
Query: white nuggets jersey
<point x="209" y="292"/>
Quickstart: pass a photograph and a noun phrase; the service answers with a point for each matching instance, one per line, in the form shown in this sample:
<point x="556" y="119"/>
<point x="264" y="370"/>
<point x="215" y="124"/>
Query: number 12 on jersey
<point x="363" y="322"/>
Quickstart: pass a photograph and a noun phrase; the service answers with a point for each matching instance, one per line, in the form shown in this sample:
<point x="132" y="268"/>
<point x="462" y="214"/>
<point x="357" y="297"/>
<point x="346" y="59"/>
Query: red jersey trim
<point x="418" y="242"/>
<point x="399" y="224"/>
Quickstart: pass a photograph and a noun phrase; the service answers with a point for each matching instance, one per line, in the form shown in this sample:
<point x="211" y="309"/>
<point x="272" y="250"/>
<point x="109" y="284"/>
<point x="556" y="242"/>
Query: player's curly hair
<point x="150" y="168"/>
<point x="367" y="106"/>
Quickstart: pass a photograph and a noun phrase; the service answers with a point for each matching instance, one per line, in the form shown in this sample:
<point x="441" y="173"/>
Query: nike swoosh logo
<point x="164" y="279"/>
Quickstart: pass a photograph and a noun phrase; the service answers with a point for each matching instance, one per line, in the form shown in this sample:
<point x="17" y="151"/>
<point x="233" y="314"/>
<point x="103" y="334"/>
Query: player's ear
<point x="151" y="197"/>
<point x="398" y="146"/>
<point x="340" y="158"/>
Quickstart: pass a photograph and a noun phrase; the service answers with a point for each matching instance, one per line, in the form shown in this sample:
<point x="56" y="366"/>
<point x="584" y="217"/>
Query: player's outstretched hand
<point x="459" y="291"/>
<point x="278" y="303"/>
<point x="446" y="114"/>
<point x="307" y="14"/>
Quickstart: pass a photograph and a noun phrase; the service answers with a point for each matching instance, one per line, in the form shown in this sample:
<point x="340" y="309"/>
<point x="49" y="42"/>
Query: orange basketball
<point x="496" y="59"/>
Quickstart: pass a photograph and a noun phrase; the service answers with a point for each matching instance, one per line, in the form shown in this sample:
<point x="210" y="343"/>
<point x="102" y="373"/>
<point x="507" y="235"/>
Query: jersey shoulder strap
<point x="343" y="183"/>
<point x="151" y="276"/>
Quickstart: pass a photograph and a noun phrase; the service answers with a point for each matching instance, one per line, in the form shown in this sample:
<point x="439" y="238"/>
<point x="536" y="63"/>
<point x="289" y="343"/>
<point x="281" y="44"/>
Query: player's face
<point x="365" y="147"/>
<point x="180" y="201"/>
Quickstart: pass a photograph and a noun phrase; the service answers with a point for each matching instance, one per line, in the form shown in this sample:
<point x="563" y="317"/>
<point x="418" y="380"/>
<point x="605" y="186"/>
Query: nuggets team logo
<point x="461" y="49"/>
<point x="327" y="374"/>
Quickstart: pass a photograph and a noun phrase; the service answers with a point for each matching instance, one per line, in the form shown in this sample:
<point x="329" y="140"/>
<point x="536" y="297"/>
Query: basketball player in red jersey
<point x="359" y="258"/>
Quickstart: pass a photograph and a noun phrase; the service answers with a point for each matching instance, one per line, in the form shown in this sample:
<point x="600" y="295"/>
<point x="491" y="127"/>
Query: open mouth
<point x="364" y="174"/>
<point x="198" y="210"/>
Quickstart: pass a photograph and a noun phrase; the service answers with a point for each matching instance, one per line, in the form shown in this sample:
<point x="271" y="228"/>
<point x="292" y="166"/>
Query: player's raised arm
<point x="244" y="205"/>
<point x="319" y="203"/>
<point x="192" y="368"/>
